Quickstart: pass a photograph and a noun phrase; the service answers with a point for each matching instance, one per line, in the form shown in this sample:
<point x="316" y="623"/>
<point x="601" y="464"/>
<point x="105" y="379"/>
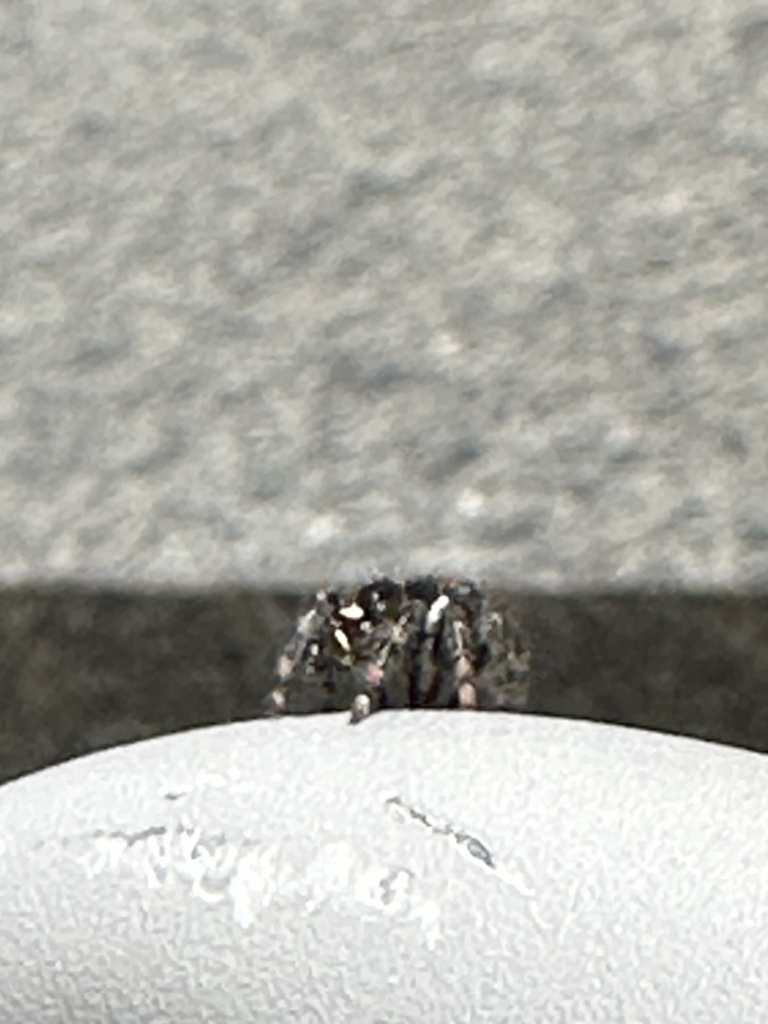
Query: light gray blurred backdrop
<point x="295" y="291"/>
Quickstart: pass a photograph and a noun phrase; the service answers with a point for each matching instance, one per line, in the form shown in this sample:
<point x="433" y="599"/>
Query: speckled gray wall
<point x="293" y="291"/>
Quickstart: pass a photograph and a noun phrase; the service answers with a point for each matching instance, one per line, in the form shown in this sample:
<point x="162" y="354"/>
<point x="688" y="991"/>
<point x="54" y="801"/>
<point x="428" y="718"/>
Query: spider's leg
<point x="361" y="708"/>
<point x="274" y="702"/>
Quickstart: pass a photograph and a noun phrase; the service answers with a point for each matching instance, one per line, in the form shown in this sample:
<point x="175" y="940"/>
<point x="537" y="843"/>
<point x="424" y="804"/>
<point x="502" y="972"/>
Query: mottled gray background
<point x="296" y="291"/>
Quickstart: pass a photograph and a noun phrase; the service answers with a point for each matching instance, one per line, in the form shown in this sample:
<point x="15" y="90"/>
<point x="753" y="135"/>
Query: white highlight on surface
<point x="106" y="854"/>
<point x="337" y="875"/>
<point x="252" y="877"/>
<point x="323" y="529"/>
<point x="444" y="344"/>
<point x="470" y="503"/>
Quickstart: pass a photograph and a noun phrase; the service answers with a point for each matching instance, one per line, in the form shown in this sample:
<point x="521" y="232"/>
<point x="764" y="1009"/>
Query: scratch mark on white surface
<point x="468" y="844"/>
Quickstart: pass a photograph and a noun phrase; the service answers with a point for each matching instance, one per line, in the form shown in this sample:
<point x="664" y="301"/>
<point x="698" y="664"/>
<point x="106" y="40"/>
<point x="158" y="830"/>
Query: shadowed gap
<point x="83" y="669"/>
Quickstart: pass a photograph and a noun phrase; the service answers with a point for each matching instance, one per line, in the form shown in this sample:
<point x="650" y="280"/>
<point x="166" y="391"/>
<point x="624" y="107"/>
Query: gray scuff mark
<point x="233" y="782"/>
<point x="131" y="838"/>
<point x="468" y="844"/>
<point x="475" y="848"/>
<point x="394" y="884"/>
<point x="121" y="836"/>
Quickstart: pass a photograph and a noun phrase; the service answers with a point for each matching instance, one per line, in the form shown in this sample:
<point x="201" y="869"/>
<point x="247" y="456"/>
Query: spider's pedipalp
<point x="361" y="708"/>
<point x="467" y="695"/>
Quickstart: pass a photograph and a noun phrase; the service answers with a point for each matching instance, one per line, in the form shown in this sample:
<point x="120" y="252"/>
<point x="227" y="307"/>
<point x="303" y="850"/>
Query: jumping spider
<point x="424" y="643"/>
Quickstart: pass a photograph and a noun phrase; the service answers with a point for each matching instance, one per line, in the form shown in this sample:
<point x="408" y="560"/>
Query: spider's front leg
<point x="463" y="667"/>
<point x="361" y="708"/>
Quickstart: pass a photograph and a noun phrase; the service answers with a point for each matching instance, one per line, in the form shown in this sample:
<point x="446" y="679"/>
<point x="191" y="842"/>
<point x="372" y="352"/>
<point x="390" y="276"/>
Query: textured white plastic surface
<point x="430" y="867"/>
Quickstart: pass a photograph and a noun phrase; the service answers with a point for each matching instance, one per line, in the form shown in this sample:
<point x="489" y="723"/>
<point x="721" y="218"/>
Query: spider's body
<point x="426" y="642"/>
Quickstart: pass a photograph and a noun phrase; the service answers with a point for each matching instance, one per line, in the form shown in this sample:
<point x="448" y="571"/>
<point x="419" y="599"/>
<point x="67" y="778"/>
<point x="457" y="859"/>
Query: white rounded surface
<point x="421" y="867"/>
